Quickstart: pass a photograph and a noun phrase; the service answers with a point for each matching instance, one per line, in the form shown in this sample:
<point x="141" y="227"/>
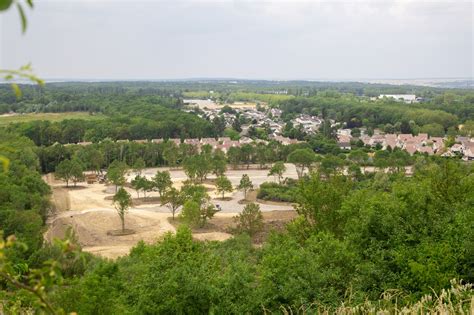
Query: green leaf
<point x="5" y="4"/>
<point x="30" y="3"/>
<point x="16" y="89"/>
<point x="23" y="17"/>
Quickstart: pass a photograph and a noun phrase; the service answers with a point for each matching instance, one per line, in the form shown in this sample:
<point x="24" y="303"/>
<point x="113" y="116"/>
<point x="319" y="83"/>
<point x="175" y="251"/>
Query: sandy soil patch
<point x="212" y="236"/>
<point x="91" y="229"/>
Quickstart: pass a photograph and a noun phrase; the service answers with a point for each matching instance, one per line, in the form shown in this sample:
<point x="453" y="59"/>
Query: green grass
<point x="19" y="118"/>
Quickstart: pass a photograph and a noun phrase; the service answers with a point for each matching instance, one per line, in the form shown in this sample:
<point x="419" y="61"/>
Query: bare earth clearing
<point x="89" y="211"/>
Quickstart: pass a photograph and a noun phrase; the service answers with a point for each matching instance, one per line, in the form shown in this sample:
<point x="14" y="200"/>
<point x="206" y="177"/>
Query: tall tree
<point x="234" y="157"/>
<point x="63" y="171"/>
<point x="136" y="184"/>
<point x="277" y="170"/>
<point x="263" y="155"/>
<point x="139" y="166"/>
<point x="247" y="151"/>
<point x="219" y="163"/>
<point x="203" y="165"/>
<point x="116" y="173"/>
<point x="190" y="168"/>
<point x="122" y="202"/>
<point x="77" y="171"/>
<point x="162" y="182"/>
<point x="245" y="185"/>
<point x="170" y="154"/>
<point x="173" y="199"/>
<point x="223" y="185"/>
<point x="302" y="158"/>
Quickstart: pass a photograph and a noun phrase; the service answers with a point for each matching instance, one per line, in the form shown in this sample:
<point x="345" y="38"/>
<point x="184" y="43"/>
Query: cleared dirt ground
<point x="89" y="211"/>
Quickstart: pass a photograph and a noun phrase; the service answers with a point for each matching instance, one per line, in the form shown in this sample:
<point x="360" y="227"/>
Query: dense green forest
<point x="152" y="110"/>
<point x="379" y="238"/>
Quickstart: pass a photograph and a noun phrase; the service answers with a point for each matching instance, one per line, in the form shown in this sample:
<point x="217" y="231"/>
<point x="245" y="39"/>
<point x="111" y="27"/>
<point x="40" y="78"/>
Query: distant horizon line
<point x="428" y="81"/>
<point x="259" y="79"/>
<point x="245" y="79"/>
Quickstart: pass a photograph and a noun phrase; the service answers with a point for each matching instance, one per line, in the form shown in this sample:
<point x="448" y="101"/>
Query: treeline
<point x="95" y="98"/>
<point x="98" y="96"/>
<point x="98" y="156"/>
<point x="444" y="112"/>
<point x="135" y="122"/>
<point x="24" y="196"/>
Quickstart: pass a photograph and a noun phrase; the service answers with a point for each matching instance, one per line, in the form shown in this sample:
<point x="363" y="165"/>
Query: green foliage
<point x="24" y="196"/>
<point x="196" y="214"/>
<point x="116" y="173"/>
<point x="199" y="208"/>
<point x="285" y="192"/>
<point x="245" y="184"/>
<point x="302" y="158"/>
<point x="63" y="171"/>
<point x="223" y="185"/>
<point x="70" y="170"/>
<point x="232" y="134"/>
<point x="162" y="182"/>
<point x="191" y="213"/>
<point x="319" y="201"/>
<point x="356" y="235"/>
<point x="197" y="166"/>
<point x="414" y="235"/>
<point x="173" y="199"/>
<point x="331" y="165"/>
<point x="142" y="183"/>
<point x="250" y="220"/>
<point x="139" y="165"/>
<point x="122" y="201"/>
<point x="433" y="130"/>
<point x="277" y="170"/>
<point x="219" y="163"/>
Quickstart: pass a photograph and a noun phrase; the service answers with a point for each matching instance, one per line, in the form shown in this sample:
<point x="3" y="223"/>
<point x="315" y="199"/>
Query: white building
<point x="407" y="98"/>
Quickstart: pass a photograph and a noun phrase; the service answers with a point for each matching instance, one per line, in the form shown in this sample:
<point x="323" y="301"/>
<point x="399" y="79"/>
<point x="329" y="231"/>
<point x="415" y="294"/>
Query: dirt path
<point x="60" y="199"/>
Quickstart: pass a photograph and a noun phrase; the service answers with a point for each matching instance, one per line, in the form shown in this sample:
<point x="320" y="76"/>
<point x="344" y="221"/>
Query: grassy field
<point x="18" y="118"/>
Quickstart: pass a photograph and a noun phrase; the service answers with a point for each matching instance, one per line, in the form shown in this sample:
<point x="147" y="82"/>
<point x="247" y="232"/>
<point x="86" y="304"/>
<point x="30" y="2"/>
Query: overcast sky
<point x="87" y="39"/>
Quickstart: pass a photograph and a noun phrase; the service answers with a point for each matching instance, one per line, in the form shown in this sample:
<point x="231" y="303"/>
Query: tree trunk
<point x="123" y="224"/>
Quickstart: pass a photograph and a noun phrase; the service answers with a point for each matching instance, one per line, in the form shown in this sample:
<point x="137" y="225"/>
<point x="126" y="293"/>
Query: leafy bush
<point x="278" y="192"/>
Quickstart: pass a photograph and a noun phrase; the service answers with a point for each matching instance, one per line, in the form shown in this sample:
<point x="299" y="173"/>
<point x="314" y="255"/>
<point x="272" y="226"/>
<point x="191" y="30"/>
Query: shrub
<point x="250" y="221"/>
<point x="278" y="192"/>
